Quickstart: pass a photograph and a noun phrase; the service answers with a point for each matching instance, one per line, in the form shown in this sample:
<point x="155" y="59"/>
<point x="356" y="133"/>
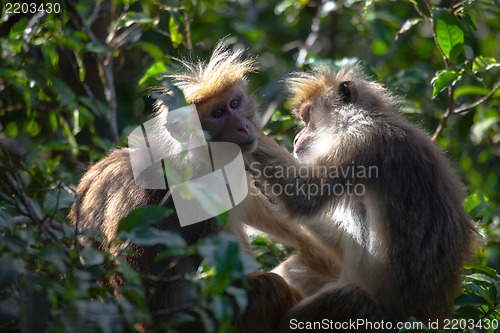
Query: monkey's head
<point x="219" y="89"/>
<point x="331" y="105"/>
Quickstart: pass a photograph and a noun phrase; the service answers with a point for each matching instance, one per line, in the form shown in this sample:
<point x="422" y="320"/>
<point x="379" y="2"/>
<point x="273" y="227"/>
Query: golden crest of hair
<point x="303" y="86"/>
<point x="200" y="80"/>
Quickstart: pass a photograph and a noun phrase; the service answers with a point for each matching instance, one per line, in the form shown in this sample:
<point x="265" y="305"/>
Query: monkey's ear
<point x="348" y="92"/>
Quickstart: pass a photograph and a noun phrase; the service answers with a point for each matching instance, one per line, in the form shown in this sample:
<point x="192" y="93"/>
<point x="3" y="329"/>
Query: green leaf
<point x="97" y="107"/>
<point x="12" y="130"/>
<point x="32" y="127"/>
<point x="450" y="35"/>
<point x="153" y="71"/>
<point x="379" y="47"/>
<point x="224" y="252"/>
<point x="175" y="26"/>
<point x="81" y="67"/>
<point x="468" y="299"/>
<point x="76" y="121"/>
<point x="91" y="316"/>
<point x="470" y="90"/>
<point x="443" y="80"/>
<point x="57" y="199"/>
<point x="174" y="99"/>
<point x="483" y="269"/>
<point x="483" y="64"/>
<point x="152" y="49"/>
<point x="10" y="270"/>
<point x="36" y="307"/>
<point x="130" y="18"/>
<point x="69" y="135"/>
<point x="407" y="26"/>
<point x="91" y="257"/>
<point x="151" y="236"/>
<point x="142" y="218"/>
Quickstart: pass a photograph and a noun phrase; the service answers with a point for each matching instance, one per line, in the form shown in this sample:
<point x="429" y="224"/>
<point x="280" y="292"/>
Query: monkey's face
<point x="228" y="117"/>
<point x="322" y="114"/>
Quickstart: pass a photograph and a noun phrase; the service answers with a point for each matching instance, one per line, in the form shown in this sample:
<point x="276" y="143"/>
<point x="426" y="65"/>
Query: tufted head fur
<point x="201" y="81"/>
<point x="322" y="83"/>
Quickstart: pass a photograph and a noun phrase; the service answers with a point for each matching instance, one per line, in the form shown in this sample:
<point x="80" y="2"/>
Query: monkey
<point x="371" y="204"/>
<point x="108" y="192"/>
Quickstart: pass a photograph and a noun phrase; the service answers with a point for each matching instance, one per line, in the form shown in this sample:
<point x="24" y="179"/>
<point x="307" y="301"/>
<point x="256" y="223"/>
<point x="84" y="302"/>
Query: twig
<point x="311" y="38"/>
<point x="105" y="66"/>
<point x="458" y="5"/>
<point x="29" y="211"/>
<point x="445" y="115"/>
<point x="187" y="21"/>
<point x="483" y="99"/>
<point x="110" y="93"/>
<point x="271" y="108"/>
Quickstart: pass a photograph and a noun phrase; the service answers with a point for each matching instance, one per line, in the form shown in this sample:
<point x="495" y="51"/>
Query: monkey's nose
<point x="244" y="129"/>
<point x="298" y="136"/>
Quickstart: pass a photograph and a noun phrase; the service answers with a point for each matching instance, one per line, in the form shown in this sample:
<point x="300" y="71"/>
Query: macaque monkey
<point x="108" y="192"/>
<point x="370" y="203"/>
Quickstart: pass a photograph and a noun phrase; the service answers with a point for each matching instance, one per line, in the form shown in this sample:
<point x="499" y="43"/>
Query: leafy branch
<point x="448" y="38"/>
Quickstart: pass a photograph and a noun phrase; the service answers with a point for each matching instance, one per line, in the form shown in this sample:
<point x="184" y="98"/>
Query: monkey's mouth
<point x="299" y="137"/>
<point x="248" y="142"/>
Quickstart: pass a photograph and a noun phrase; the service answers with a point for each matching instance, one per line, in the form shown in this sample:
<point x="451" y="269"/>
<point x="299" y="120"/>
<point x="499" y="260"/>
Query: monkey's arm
<point x="257" y="211"/>
<point x="306" y="188"/>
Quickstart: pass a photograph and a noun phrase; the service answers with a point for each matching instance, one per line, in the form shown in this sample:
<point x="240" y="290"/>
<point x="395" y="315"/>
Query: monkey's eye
<point x="217" y="113"/>
<point x="234" y="103"/>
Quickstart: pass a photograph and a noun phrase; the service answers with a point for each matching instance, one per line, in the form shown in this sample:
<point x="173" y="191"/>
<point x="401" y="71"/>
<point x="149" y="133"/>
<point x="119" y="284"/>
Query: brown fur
<point x="389" y="253"/>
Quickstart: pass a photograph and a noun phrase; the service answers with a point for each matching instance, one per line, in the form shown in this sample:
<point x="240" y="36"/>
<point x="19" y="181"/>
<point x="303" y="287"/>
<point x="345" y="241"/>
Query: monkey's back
<point x="429" y="232"/>
<point x="107" y="193"/>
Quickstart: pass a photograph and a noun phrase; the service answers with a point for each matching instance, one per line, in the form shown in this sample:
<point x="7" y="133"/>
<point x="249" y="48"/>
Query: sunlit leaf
<point x="11" y="129"/>
<point x="69" y="135"/>
<point x="153" y="71"/>
<point x="130" y="18"/>
<point x="379" y="47"/>
<point x="32" y="127"/>
<point x="407" y="26"/>
<point x="176" y="26"/>
<point x="449" y="33"/>
<point x="483" y="64"/>
<point x="470" y="90"/>
<point x="81" y="66"/>
<point x="443" y="80"/>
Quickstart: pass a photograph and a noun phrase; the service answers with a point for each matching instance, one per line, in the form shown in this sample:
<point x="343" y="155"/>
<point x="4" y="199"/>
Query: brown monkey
<point x="108" y="192"/>
<point x="369" y="201"/>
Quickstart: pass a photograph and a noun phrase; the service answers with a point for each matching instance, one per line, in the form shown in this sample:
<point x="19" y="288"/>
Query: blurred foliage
<point x="74" y="81"/>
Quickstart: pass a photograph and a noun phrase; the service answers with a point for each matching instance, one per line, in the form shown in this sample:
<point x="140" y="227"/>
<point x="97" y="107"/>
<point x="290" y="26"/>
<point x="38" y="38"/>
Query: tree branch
<point x="483" y="99"/>
<point x="445" y="115"/>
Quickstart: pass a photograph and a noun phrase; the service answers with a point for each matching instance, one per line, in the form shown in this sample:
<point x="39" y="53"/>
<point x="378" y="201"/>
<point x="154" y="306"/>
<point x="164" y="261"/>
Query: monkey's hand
<point x="269" y="156"/>
<point x="258" y="212"/>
